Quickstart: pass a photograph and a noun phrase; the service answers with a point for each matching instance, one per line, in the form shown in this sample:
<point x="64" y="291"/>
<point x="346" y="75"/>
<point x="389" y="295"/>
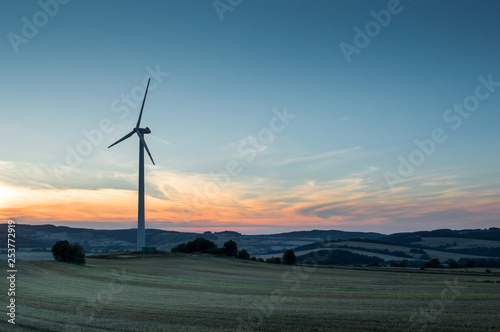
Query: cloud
<point x="315" y="157"/>
<point x="198" y="200"/>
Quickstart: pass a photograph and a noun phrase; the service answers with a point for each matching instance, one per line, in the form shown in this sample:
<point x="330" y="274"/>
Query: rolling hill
<point x="443" y="244"/>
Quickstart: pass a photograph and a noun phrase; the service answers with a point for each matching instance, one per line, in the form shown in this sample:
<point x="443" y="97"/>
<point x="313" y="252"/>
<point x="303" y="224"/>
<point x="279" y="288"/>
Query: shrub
<point x="63" y="251"/>
<point x="289" y="257"/>
<point x="243" y="254"/>
<point x="200" y="245"/>
<point x="180" y="248"/>
<point x="215" y="251"/>
<point x="230" y="248"/>
<point x="433" y="263"/>
<point x="274" y="260"/>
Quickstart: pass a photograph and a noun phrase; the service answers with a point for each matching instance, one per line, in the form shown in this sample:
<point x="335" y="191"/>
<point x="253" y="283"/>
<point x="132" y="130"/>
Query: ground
<point x="205" y="293"/>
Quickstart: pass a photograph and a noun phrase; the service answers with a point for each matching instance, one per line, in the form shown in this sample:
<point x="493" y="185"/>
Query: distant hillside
<point x="492" y="233"/>
<point x="440" y="243"/>
<point x="43" y="237"/>
<point x="415" y="248"/>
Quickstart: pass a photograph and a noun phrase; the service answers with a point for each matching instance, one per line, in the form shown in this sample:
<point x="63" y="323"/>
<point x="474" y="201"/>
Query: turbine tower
<point x="141" y="231"/>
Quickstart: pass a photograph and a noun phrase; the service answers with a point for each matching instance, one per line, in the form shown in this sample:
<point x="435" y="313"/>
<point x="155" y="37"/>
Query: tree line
<point x="230" y="249"/>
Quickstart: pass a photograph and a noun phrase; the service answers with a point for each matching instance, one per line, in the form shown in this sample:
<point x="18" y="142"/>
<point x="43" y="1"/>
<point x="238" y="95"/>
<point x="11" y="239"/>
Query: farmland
<point x="205" y="293"/>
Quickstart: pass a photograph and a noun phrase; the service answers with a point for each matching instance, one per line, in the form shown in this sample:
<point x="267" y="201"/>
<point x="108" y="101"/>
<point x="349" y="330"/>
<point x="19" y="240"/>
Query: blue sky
<point x="219" y="82"/>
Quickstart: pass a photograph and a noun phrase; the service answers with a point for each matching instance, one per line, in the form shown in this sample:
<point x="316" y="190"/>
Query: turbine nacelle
<point x="143" y="130"/>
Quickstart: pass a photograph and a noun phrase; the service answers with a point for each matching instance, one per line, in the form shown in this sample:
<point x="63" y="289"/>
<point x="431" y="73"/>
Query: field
<point x="200" y="293"/>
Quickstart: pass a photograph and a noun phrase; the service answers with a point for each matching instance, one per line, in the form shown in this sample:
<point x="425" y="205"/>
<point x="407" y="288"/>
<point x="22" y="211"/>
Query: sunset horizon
<point x="361" y="121"/>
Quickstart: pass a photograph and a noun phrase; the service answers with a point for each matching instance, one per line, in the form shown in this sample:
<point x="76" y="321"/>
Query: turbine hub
<point x="145" y="130"/>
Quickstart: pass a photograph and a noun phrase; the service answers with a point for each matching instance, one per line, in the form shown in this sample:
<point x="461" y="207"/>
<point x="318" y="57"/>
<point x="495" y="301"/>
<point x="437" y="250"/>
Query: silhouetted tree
<point x="200" y="245"/>
<point x="64" y="251"/>
<point x="274" y="260"/>
<point x="243" y="254"/>
<point x="230" y="248"/>
<point x="180" y="248"/>
<point x="289" y="257"/>
<point x="433" y="263"/>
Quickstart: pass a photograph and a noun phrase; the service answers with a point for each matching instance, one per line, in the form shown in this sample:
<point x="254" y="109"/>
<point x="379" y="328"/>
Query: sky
<point x="266" y="116"/>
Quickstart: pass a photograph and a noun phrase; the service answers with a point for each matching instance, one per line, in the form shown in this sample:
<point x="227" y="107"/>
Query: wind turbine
<point x="141" y="232"/>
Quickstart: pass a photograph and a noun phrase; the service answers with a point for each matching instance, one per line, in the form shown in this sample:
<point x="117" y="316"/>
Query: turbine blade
<point x="142" y="107"/>
<point x="123" y="138"/>
<point x="146" y="146"/>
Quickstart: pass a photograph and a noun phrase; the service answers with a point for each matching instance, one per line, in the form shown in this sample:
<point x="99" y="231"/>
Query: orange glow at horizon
<point x="318" y="207"/>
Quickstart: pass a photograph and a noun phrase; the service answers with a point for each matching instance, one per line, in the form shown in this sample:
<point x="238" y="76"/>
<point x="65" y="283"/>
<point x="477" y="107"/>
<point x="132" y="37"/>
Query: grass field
<point x="199" y="293"/>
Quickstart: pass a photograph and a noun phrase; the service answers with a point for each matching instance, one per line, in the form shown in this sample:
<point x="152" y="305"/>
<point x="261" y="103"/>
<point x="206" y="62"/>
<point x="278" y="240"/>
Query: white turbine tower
<point x="141" y="232"/>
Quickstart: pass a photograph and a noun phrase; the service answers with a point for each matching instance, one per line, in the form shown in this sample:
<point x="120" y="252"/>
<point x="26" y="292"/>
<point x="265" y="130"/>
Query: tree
<point x="274" y="260"/>
<point x="230" y="248"/>
<point x="200" y="245"/>
<point x="63" y="251"/>
<point x="243" y="254"/>
<point x="180" y="248"/>
<point x="433" y="263"/>
<point x="289" y="257"/>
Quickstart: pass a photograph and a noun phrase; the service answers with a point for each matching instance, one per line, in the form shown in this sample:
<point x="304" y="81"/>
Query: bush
<point x="215" y="251"/>
<point x="243" y="254"/>
<point x="433" y="263"/>
<point x="200" y="245"/>
<point x="180" y="248"/>
<point x="63" y="251"/>
<point x="289" y="257"/>
<point x="230" y="248"/>
<point x="274" y="260"/>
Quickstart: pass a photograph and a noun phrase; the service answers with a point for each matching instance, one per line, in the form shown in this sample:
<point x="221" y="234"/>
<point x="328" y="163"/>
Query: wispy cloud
<point x="355" y="200"/>
<point x="315" y="157"/>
